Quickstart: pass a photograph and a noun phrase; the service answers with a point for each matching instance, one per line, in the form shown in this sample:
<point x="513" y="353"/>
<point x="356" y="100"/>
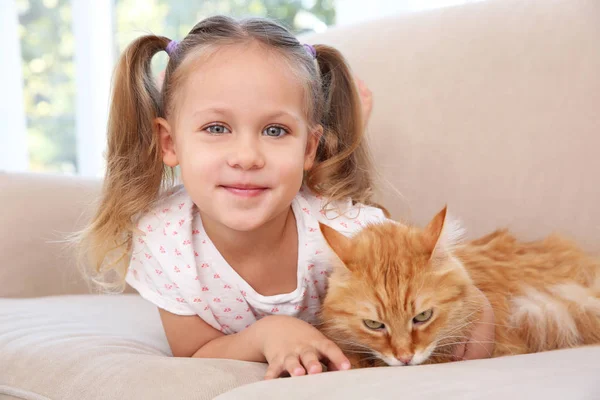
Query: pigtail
<point x="343" y="166"/>
<point x="134" y="169"/>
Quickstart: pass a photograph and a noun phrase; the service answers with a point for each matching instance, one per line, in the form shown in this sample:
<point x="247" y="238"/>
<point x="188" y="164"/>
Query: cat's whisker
<point x="458" y="328"/>
<point x="350" y="343"/>
<point x="445" y="338"/>
<point x="346" y="341"/>
<point x="451" y="344"/>
<point x="500" y="325"/>
<point x="364" y="351"/>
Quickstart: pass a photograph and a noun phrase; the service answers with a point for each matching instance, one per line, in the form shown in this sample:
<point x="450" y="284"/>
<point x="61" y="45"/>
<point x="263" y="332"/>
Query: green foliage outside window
<point x="47" y="48"/>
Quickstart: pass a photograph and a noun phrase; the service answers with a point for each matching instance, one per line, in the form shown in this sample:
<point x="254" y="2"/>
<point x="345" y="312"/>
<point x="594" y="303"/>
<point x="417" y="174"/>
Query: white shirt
<point x="175" y="265"/>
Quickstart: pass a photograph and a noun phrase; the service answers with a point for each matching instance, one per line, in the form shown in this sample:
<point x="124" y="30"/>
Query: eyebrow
<point x="226" y="111"/>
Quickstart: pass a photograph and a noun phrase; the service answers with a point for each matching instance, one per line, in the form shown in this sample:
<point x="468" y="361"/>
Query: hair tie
<point x="172" y="47"/>
<point x="310" y="50"/>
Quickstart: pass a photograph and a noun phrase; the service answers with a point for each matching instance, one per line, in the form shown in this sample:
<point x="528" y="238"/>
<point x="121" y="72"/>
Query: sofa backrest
<point x="492" y="107"/>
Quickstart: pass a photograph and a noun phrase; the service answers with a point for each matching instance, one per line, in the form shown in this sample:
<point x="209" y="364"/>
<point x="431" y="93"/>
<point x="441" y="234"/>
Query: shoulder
<point x="342" y="215"/>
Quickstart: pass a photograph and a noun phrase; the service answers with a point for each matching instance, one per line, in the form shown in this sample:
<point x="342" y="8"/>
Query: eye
<point x="217" y="129"/>
<point x="275" y="131"/>
<point x="375" y="325"/>
<point x="423" y="317"/>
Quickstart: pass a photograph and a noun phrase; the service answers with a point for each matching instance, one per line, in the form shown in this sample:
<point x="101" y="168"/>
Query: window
<point x="57" y="106"/>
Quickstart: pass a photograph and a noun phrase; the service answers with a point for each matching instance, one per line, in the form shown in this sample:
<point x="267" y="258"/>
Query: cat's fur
<point x="545" y="294"/>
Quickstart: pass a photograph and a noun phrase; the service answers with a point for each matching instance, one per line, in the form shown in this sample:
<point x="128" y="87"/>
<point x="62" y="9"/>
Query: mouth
<point x="244" y="189"/>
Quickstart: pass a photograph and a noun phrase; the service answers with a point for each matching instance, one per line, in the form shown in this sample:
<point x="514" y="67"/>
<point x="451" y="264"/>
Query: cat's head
<point x="397" y="293"/>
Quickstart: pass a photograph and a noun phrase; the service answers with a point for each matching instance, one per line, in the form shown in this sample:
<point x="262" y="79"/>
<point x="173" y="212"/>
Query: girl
<point x="268" y="137"/>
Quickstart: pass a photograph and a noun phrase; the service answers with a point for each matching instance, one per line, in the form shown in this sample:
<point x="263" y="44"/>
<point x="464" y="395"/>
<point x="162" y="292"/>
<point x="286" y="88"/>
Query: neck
<point x="266" y="239"/>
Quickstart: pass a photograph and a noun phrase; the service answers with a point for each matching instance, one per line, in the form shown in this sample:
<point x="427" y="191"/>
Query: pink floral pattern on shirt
<point x="175" y="265"/>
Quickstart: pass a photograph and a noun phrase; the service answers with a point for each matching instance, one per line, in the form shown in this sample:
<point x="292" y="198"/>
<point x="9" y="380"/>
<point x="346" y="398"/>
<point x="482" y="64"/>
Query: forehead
<point x="243" y="77"/>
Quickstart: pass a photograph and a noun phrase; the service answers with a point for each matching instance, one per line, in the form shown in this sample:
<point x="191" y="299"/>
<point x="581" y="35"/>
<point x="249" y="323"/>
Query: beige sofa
<point x="492" y="107"/>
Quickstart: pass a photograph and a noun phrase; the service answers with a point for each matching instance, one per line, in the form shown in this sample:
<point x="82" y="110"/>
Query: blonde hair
<point x="136" y="176"/>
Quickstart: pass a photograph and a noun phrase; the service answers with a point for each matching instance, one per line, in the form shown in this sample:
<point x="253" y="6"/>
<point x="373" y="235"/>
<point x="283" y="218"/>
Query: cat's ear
<point x="339" y="243"/>
<point x="442" y="234"/>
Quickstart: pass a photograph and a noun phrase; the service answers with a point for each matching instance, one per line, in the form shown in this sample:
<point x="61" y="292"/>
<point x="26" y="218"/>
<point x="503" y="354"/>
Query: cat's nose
<point x="405" y="359"/>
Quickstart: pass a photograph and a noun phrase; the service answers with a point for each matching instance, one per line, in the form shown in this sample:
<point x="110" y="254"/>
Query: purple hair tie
<point x="172" y="47"/>
<point x="311" y="50"/>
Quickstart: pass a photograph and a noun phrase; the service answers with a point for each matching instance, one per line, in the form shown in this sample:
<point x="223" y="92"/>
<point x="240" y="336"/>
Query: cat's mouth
<point x="417" y="358"/>
<point x="394" y="361"/>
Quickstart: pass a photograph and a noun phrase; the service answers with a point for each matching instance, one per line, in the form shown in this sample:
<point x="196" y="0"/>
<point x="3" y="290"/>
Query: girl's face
<point x="240" y="137"/>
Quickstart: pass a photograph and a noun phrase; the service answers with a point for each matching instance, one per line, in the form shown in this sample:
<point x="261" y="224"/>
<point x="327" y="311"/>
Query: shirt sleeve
<point x="152" y="281"/>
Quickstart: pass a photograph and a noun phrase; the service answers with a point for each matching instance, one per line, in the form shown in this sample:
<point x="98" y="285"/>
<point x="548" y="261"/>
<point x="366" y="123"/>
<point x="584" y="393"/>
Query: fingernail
<point x="345" y="365"/>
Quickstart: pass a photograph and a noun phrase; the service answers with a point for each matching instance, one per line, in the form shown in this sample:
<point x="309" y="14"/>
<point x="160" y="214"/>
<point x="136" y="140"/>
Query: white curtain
<point x="13" y="131"/>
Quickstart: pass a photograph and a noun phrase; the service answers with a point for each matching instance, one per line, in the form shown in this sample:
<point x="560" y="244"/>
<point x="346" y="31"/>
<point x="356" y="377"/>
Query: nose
<point x="245" y="153"/>
<point x="405" y="358"/>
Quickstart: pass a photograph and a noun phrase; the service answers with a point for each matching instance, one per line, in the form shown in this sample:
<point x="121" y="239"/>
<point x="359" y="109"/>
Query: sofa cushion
<point x="109" y="347"/>
<point x="565" y="374"/>
<point x="102" y="347"/>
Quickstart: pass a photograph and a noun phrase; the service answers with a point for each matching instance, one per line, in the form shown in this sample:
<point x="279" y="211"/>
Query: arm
<point x="481" y="340"/>
<point x="186" y="334"/>
<point x="190" y="336"/>
<point x="286" y="343"/>
<point x="366" y="99"/>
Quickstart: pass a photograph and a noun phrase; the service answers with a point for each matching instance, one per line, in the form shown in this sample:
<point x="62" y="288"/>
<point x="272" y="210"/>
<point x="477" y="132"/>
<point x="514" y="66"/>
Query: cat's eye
<point x="375" y="325"/>
<point x="423" y="317"/>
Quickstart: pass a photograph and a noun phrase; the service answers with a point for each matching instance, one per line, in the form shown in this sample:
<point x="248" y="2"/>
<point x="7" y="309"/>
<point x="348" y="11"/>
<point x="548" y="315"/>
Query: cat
<point x="402" y="295"/>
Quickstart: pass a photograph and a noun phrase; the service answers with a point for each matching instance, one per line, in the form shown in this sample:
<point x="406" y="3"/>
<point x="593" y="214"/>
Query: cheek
<point x="199" y="171"/>
<point x="289" y="164"/>
<point x="196" y="159"/>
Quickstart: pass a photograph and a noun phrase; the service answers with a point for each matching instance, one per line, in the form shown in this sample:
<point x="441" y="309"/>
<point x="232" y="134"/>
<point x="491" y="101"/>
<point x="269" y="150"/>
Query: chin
<point x="245" y="223"/>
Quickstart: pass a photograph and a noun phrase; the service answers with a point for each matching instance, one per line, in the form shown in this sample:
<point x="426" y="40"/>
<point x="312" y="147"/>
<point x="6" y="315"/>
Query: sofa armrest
<point x="37" y="211"/>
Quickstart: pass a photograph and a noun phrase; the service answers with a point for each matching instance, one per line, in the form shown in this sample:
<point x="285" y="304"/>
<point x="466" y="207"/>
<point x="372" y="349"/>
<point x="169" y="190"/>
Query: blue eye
<point x="275" y="131"/>
<point x="217" y="129"/>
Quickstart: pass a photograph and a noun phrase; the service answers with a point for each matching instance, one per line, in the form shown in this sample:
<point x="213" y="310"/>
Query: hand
<point x="160" y="78"/>
<point x="481" y="340"/>
<point x="292" y="345"/>
<point x="366" y="99"/>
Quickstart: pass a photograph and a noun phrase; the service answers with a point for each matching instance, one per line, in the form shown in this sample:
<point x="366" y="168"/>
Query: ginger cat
<point x="402" y="295"/>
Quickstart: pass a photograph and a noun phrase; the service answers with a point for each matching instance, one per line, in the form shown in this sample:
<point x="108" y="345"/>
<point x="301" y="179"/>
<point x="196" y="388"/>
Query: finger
<point x="334" y="354"/>
<point x="362" y="87"/>
<point x="274" y="371"/>
<point x="459" y="352"/>
<point x="331" y="366"/>
<point x="311" y="362"/>
<point x="293" y="366"/>
<point x="478" y="349"/>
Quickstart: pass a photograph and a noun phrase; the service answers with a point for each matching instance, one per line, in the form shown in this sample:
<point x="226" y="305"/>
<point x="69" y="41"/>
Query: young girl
<point x="268" y="137"/>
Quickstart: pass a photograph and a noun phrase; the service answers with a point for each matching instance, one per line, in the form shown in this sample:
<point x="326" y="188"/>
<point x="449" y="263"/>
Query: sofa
<point x="491" y="107"/>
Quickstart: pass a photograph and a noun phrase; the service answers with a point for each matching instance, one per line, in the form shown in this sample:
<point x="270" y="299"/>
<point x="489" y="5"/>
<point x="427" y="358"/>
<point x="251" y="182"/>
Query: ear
<point x="167" y="142"/>
<point x="339" y="243"/>
<point x="442" y="234"/>
<point x="312" y="144"/>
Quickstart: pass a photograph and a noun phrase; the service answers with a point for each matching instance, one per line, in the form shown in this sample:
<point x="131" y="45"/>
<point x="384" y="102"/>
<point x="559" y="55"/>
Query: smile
<point x="242" y="190"/>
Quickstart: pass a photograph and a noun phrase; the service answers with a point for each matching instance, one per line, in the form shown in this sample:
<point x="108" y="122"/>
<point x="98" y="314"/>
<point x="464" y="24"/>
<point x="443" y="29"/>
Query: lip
<point x="244" y="189"/>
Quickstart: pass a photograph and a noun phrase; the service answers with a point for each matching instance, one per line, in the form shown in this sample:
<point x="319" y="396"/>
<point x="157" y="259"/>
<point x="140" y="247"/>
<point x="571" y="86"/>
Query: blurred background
<point x="58" y="57"/>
